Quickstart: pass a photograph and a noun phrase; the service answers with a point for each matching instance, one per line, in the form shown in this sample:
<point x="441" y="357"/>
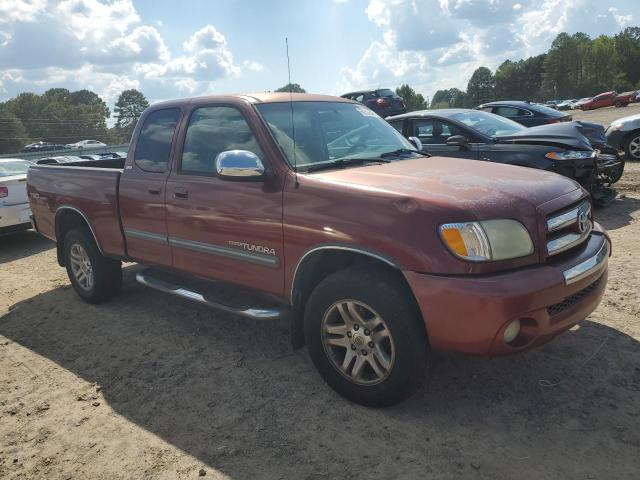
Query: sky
<point x="171" y="49"/>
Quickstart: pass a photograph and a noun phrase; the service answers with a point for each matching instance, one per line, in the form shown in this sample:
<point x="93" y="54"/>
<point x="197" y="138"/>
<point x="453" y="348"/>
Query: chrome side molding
<point x="589" y="266"/>
<point x="146" y="278"/>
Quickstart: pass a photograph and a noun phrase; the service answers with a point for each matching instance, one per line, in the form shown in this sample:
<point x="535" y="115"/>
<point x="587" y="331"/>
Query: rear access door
<point x="221" y="229"/>
<point x="142" y="188"/>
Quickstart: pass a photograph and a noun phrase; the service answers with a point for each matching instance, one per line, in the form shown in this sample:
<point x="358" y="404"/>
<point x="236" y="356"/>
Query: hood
<point x="564" y="134"/>
<point x="483" y="188"/>
<point x="630" y="118"/>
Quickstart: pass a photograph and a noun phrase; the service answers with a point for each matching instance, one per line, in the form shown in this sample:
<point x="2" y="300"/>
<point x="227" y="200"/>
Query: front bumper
<point x="470" y="314"/>
<point x="14" y="215"/>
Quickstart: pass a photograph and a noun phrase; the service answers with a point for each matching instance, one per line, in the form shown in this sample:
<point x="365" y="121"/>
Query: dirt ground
<point x="152" y="387"/>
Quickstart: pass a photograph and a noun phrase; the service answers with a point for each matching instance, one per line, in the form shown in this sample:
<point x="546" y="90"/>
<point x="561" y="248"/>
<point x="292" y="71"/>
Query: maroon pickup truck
<point x="315" y="208"/>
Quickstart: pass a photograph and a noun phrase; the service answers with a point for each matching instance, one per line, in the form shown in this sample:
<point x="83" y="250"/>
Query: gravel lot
<point x="151" y="387"/>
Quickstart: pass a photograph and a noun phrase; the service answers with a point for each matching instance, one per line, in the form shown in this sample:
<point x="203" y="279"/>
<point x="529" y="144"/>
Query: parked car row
<point x="54" y="147"/>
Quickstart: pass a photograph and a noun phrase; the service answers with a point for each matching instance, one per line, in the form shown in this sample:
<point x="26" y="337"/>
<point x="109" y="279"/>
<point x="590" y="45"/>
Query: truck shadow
<point x="18" y="245"/>
<point x="233" y="394"/>
<point x="618" y="214"/>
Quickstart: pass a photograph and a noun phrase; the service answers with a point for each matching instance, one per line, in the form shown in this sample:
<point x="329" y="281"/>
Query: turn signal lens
<point x="4" y="192"/>
<point x="466" y="240"/>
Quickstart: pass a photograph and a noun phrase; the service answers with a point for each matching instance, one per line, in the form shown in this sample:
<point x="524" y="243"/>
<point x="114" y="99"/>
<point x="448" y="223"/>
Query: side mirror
<point x="416" y="143"/>
<point x="239" y="165"/>
<point x="458" y="141"/>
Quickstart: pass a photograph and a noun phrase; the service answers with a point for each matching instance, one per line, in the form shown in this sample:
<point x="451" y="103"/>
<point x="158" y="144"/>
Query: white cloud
<point x="445" y="40"/>
<point x="253" y="66"/>
<point x="105" y="46"/>
<point x="20" y="10"/>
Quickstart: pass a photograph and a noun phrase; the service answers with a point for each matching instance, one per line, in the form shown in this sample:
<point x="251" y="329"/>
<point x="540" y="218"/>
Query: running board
<point x="211" y="294"/>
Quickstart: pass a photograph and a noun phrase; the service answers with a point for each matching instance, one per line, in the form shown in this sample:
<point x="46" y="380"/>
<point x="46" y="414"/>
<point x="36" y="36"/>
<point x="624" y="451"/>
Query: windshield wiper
<point x="341" y="163"/>
<point x="402" y="151"/>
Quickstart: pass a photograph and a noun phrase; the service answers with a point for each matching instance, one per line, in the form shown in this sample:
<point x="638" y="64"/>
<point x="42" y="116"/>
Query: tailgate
<point x="14" y="191"/>
<point x="90" y="192"/>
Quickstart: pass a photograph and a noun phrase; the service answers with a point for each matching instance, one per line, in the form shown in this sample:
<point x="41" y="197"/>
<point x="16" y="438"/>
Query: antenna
<point x="293" y="125"/>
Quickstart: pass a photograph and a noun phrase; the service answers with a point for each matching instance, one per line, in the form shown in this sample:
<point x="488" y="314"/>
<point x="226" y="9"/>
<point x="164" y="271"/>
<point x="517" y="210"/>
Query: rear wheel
<point x="366" y="337"/>
<point x="94" y="277"/>
<point x="632" y="146"/>
<point x="618" y="104"/>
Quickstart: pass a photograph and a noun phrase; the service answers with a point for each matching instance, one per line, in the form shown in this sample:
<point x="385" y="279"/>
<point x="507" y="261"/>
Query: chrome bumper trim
<point x="589" y="266"/>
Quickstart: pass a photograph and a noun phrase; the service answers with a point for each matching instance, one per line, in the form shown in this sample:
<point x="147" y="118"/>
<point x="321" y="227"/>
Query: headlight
<point x="570" y="155"/>
<point x="487" y="240"/>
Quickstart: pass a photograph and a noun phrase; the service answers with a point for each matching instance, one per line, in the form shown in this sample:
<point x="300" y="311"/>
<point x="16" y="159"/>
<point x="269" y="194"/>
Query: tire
<point x="403" y="349"/>
<point x="632" y="146"/>
<point x="618" y="104"/>
<point x="81" y="256"/>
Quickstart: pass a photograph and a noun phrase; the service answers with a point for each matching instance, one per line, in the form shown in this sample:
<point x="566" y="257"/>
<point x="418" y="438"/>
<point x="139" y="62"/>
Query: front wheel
<point x="366" y="337"/>
<point x="94" y="277"/>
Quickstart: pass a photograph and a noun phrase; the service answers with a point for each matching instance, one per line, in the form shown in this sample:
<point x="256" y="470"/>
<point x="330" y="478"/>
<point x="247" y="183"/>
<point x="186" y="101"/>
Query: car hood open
<point x="570" y="135"/>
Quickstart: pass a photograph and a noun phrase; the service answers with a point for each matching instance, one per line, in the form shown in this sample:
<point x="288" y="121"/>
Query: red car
<point x="374" y="252"/>
<point x="608" y="99"/>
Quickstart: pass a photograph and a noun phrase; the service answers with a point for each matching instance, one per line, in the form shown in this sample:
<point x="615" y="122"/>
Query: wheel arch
<point x="66" y="219"/>
<point x="319" y="262"/>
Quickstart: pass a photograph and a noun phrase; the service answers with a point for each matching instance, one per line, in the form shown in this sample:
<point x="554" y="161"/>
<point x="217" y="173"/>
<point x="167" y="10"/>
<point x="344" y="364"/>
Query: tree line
<point x="575" y="66"/>
<point x="61" y="116"/>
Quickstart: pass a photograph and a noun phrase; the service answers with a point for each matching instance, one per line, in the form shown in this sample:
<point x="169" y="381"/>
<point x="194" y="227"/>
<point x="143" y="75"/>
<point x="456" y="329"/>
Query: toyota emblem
<point x="583" y="221"/>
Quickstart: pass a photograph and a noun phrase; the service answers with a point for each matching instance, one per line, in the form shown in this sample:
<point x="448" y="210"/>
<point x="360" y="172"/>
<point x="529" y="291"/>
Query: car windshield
<point x="14" y="167"/>
<point x="330" y="132"/>
<point x="488" y="124"/>
<point x="385" y="92"/>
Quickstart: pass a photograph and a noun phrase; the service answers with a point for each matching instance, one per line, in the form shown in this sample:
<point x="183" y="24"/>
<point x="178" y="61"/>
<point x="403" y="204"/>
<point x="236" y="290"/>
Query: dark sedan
<point x="477" y="135"/>
<point x="383" y="101"/>
<point x="525" y="113"/>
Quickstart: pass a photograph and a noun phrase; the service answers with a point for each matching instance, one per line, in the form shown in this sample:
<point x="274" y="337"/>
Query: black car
<point x="383" y="101"/>
<point x="525" y="113"/>
<point x="562" y="148"/>
<point x="43" y="147"/>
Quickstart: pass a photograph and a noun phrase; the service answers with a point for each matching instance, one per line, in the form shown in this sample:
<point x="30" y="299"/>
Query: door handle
<point x="154" y="190"/>
<point x="180" y="193"/>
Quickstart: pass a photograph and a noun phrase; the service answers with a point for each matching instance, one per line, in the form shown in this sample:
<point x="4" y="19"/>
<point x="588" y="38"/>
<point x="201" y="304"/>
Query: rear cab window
<point x="153" y="148"/>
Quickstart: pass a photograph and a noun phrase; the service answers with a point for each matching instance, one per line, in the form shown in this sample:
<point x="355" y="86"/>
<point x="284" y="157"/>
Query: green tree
<point x="130" y="105"/>
<point x="602" y="64"/>
<point x="412" y="100"/>
<point x="481" y="86"/>
<point x="449" y="98"/>
<point x="293" y="87"/>
<point x="13" y="135"/>
<point x="627" y="44"/>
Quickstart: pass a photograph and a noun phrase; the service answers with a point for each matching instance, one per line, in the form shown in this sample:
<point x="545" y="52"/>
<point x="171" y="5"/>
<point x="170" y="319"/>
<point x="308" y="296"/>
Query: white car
<point x="15" y="214"/>
<point x="87" y="144"/>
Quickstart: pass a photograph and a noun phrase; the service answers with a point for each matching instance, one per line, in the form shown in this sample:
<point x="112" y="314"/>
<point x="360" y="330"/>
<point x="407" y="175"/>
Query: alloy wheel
<point x="358" y="342"/>
<point x="634" y="147"/>
<point x="81" y="266"/>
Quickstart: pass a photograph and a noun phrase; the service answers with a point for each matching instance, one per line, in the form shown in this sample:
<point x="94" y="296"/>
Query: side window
<point x="154" y="143"/>
<point x="487" y="109"/>
<point x="524" y="113"/>
<point x="434" y="132"/>
<point x="359" y="98"/>
<point x="397" y="124"/>
<point x="213" y="130"/>
<point x="506" y="111"/>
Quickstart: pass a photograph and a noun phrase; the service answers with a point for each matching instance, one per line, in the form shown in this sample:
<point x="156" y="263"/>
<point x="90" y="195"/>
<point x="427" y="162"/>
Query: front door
<point x="142" y="189"/>
<point x="224" y="229"/>
<point x="433" y="133"/>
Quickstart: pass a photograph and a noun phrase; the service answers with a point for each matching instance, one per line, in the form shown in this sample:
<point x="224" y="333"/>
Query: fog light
<point x="512" y="331"/>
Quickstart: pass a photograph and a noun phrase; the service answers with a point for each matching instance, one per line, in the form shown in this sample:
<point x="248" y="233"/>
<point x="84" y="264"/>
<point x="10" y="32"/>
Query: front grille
<point x="568" y="228"/>
<point x="572" y="300"/>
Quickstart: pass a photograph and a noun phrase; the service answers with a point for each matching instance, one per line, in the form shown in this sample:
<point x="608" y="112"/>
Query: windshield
<point x="488" y="124"/>
<point x="327" y="132"/>
<point x="16" y="167"/>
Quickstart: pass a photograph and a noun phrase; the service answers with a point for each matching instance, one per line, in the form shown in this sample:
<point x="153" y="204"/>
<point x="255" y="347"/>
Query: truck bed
<point x="90" y="188"/>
